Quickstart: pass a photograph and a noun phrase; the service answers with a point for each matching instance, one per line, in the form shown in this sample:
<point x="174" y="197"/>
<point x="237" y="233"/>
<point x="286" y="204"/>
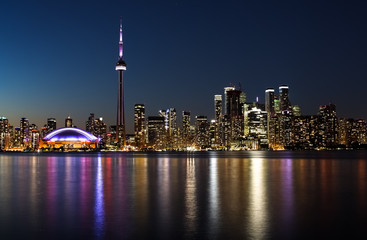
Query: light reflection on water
<point x="213" y="195"/>
<point x="258" y="200"/>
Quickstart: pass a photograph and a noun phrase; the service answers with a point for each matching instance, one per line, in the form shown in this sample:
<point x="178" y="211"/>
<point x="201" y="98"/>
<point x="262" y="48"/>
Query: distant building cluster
<point x="237" y="125"/>
<point x="241" y="125"/>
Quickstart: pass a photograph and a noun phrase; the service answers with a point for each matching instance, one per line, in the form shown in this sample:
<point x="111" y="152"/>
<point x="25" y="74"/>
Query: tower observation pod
<point x="120" y="124"/>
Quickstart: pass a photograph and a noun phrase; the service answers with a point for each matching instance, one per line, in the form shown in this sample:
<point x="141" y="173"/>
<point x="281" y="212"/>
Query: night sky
<point x="58" y="57"/>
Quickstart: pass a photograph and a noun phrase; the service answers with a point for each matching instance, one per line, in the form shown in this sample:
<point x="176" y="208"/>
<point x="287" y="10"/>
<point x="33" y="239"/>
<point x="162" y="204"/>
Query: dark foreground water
<point x="210" y="195"/>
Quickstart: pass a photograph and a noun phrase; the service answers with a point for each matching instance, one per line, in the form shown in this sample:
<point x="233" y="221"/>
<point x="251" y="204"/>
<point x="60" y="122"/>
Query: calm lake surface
<point x="206" y="195"/>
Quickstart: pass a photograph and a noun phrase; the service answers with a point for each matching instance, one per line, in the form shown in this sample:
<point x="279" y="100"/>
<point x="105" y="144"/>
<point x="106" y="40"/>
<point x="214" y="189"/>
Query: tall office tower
<point x="186" y="136"/>
<point x="285" y="104"/>
<point x="51" y="124"/>
<point x="233" y="104"/>
<point x="17" y="137"/>
<point x="120" y="67"/>
<point x="218" y="103"/>
<point x="11" y="135"/>
<point x="156" y="132"/>
<point x="269" y="101"/>
<point x="257" y="125"/>
<point x="171" y="125"/>
<point x="90" y="124"/>
<point x="226" y="89"/>
<point x="202" y="132"/>
<point x="235" y="113"/>
<point x="24" y="132"/>
<point x="218" y="107"/>
<point x="4" y="133"/>
<point x="35" y="139"/>
<point x="68" y="122"/>
<point x="328" y="126"/>
<point x="100" y="130"/>
<point x="139" y="125"/>
<point x="171" y="121"/>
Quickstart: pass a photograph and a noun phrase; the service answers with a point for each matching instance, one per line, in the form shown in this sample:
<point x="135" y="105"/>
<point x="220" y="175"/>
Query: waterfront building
<point x="226" y="89"/>
<point x="269" y="101"/>
<point x="90" y="123"/>
<point x="257" y="124"/>
<point x="186" y="134"/>
<point x="327" y="126"/>
<point x="24" y="132"/>
<point x="100" y="131"/>
<point x="139" y="125"/>
<point x="35" y="139"/>
<point x="17" y="138"/>
<point x="68" y="139"/>
<point x="156" y="132"/>
<point x="202" y="132"/>
<point x="51" y="124"/>
<point x="120" y="68"/>
<point x="218" y="103"/>
<point x="4" y="133"/>
<point x="285" y="104"/>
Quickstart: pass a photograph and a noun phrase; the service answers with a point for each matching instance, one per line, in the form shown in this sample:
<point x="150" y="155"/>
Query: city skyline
<point x="53" y="66"/>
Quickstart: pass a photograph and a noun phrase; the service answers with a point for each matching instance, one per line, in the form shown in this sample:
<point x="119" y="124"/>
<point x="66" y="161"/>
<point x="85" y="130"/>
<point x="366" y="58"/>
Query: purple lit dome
<point x="69" y="134"/>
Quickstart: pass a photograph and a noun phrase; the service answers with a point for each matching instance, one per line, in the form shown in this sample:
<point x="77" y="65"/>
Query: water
<point x="208" y="195"/>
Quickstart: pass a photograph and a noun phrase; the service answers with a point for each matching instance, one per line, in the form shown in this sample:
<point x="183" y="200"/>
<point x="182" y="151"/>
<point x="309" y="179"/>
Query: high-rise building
<point x="257" y="124"/>
<point x="51" y="124"/>
<point x="156" y="132"/>
<point x="202" y="132"/>
<point x="24" y="132"/>
<point x="233" y="103"/>
<point x="285" y="104"/>
<point x="120" y="125"/>
<point x="269" y="101"/>
<point x="139" y="125"/>
<point x="171" y="135"/>
<point x="18" y="142"/>
<point x="328" y="126"/>
<point x="226" y="89"/>
<point x="4" y="133"/>
<point x="68" y="122"/>
<point x="218" y="119"/>
<point x="90" y="124"/>
<point x="186" y="123"/>
<point x="218" y="107"/>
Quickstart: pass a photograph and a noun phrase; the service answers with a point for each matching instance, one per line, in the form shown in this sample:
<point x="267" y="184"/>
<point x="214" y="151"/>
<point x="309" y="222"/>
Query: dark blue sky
<point x="57" y="57"/>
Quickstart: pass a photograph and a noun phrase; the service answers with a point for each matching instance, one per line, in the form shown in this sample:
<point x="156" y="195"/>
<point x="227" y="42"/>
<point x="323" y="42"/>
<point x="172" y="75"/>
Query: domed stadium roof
<point x="69" y="134"/>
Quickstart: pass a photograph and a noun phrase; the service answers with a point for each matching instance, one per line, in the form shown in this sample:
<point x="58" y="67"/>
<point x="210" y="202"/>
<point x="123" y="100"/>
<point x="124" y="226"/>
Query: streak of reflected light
<point x="258" y="202"/>
<point x="99" y="201"/>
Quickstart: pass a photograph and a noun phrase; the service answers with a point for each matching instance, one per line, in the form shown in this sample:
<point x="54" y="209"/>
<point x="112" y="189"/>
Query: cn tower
<point x="120" y="68"/>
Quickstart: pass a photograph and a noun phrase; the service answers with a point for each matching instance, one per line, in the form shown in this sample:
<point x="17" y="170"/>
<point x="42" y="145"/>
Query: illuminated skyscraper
<point x="139" y="125"/>
<point x="156" y="132"/>
<point x="24" y="132"/>
<point x="226" y="89"/>
<point x="4" y="133"/>
<point x="51" y="124"/>
<point x="202" y="132"/>
<point x="120" y="125"/>
<point x="186" y="119"/>
<point x="285" y="104"/>
<point x="218" y="103"/>
<point x="269" y="101"/>
<point x="90" y="124"/>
